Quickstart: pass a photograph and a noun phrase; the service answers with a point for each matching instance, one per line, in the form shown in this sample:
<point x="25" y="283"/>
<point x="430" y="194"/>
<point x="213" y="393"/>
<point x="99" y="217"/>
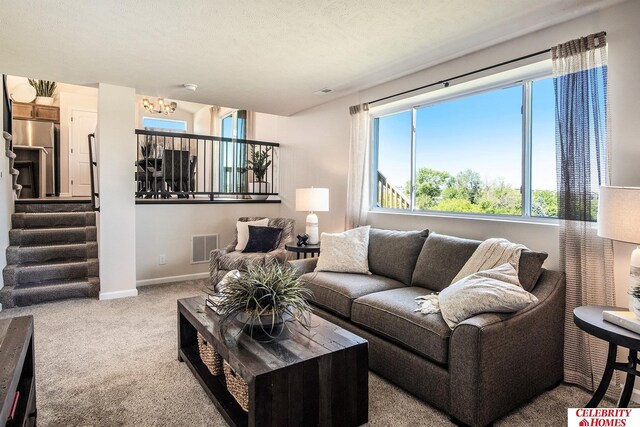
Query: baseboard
<point x="170" y="279"/>
<point x="65" y="194"/>
<point x="118" y="294"/>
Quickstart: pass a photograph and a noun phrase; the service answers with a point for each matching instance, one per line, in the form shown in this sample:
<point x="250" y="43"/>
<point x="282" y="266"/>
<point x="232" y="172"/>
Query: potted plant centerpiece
<point x="263" y="299"/>
<point x="259" y="164"/>
<point x="44" y="91"/>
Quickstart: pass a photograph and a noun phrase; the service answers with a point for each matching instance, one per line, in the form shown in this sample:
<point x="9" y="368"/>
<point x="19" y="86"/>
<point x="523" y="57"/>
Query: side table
<point x="589" y="319"/>
<point x="309" y="249"/>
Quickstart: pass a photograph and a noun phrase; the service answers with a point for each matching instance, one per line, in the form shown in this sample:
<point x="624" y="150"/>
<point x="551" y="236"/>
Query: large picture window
<point x="490" y="153"/>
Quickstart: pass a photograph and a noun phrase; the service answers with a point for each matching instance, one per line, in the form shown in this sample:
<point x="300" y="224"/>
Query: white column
<point x="116" y="149"/>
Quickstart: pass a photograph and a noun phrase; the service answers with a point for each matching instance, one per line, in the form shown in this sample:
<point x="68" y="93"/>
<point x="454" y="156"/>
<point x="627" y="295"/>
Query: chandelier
<point x="160" y="107"/>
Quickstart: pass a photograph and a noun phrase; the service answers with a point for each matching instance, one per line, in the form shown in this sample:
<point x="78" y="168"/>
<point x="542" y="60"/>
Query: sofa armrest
<point x="499" y="361"/>
<point x="303" y="266"/>
<point x="276" y="256"/>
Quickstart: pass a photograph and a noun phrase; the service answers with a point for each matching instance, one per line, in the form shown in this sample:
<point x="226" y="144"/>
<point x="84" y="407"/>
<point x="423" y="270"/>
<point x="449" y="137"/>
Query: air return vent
<point x="201" y="246"/>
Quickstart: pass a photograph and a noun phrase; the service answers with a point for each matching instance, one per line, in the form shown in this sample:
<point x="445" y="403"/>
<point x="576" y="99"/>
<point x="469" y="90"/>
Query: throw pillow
<point x="440" y="260"/>
<point x="263" y="239"/>
<point x="345" y="252"/>
<point x="394" y="253"/>
<point x="243" y="231"/>
<point x="491" y="291"/>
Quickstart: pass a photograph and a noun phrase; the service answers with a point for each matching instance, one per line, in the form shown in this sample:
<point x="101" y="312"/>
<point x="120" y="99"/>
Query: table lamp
<point x="312" y="200"/>
<point x="619" y="219"/>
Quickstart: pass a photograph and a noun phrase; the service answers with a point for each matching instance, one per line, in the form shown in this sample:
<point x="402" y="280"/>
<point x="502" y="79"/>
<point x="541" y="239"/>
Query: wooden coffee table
<point x="302" y="378"/>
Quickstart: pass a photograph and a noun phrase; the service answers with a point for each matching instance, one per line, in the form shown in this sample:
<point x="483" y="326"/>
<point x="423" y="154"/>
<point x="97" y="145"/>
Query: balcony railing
<point x="178" y="165"/>
<point x="389" y="196"/>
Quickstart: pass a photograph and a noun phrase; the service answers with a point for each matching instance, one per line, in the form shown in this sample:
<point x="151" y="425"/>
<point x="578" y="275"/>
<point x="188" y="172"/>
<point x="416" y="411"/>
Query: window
<point x="164" y="124"/>
<point x="233" y="157"/>
<point x="491" y="152"/>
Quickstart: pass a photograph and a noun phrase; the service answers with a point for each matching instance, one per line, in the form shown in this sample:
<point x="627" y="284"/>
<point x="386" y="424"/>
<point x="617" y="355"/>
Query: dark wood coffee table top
<point x="251" y="358"/>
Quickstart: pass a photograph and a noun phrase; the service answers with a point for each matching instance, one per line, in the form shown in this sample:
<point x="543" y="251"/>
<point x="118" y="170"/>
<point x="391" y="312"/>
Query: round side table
<point x="309" y="249"/>
<point x="589" y="319"/>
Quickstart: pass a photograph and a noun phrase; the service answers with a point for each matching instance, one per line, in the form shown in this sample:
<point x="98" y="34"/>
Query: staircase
<point x="53" y="254"/>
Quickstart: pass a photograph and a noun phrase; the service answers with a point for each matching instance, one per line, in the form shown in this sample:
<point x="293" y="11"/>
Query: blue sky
<point x="481" y="132"/>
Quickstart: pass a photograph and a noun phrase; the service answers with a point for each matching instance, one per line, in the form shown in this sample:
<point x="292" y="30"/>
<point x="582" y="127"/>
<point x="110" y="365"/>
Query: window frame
<point x="186" y="127"/>
<point x="439" y="96"/>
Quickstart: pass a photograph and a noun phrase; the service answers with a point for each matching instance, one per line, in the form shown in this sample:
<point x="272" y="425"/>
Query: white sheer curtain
<point x="359" y="166"/>
<point x="582" y="148"/>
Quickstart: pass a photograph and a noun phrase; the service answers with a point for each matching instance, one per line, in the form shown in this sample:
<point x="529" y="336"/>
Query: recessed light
<point x="191" y="86"/>
<point x="324" y="91"/>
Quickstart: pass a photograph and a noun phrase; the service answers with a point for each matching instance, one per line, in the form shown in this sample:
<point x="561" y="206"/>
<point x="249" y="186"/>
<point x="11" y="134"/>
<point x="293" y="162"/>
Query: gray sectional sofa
<point x="479" y="371"/>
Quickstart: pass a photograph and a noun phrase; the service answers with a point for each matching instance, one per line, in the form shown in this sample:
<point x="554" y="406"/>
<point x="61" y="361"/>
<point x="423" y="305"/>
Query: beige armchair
<point x="221" y="261"/>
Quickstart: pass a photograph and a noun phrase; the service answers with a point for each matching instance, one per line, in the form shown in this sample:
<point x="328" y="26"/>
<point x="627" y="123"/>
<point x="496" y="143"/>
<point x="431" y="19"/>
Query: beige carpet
<point x="114" y="363"/>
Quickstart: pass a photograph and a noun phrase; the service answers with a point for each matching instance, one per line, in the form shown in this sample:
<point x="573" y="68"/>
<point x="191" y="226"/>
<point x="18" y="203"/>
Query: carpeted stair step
<point x="52" y="252"/>
<point x="22" y="274"/>
<point x="52" y="219"/>
<point x="39" y="236"/>
<point x="54" y="290"/>
<point x="30" y="207"/>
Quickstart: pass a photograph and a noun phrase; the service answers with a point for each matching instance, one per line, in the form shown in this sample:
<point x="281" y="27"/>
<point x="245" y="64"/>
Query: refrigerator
<point x="41" y="134"/>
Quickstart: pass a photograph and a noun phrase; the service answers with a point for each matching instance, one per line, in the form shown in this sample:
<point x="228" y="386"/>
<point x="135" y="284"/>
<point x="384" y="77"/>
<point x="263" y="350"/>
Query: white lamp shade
<point x="619" y="213"/>
<point x="312" y="199"/>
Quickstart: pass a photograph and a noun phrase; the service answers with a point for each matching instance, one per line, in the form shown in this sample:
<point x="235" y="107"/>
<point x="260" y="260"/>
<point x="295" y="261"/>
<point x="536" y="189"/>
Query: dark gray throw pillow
<point x="441" y="259"/>
<point x="530" y="268"/>
<point x="263" y="239"/>
<point x="394" y="253"/>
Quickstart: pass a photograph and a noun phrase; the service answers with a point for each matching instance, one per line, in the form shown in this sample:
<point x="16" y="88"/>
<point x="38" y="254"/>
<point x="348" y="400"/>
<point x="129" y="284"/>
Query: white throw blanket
<point x="490" y="254"/>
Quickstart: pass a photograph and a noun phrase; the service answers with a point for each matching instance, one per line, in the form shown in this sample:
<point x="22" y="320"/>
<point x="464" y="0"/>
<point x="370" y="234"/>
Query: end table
<point x="589" y="319"/>
<point x="309" y="249"/>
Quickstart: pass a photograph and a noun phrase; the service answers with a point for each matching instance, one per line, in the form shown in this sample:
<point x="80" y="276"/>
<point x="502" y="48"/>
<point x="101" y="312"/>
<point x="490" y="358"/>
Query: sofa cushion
<point x="441" y="259"/>
<point x="240" y="261"/>
<point x="335" y="292"/>
<point x="391" y="314"/>
<point x="394" y="253"/>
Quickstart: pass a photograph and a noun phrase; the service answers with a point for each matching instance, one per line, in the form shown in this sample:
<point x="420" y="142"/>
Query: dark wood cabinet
<point x="48" y="113"/>
<point x="17" y="372"/>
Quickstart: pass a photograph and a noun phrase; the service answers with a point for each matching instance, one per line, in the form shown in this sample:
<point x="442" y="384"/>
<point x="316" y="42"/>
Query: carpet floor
<point x="114" y="363"/>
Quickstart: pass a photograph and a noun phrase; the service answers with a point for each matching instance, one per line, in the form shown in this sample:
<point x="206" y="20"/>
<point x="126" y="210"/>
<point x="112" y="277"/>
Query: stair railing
<point x="93" y="167"/>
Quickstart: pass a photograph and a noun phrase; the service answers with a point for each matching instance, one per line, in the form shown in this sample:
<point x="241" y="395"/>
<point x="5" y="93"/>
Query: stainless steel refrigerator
<point x="41" y="134"/>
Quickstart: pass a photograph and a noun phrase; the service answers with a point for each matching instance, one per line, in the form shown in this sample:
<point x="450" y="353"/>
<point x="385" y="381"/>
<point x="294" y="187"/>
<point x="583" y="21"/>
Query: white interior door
<point x="82" y="124"/>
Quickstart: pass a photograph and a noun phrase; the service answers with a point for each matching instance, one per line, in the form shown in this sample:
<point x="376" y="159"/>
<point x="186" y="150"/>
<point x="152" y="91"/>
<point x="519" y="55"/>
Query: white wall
<point x="167" y="230"/>
<point x="6" y="197"/>
<point x="316" y="141"/>
<point x="116" y="157"/>
<point x="202" y="121"/>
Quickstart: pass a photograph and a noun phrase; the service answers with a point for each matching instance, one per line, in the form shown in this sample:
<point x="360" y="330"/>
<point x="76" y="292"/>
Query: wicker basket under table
<point x="211" y="358"/>
<point x="236" y="386"/>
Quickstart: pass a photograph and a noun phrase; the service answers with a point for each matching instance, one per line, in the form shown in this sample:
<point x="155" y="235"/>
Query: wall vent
<point x="201" y="246"/>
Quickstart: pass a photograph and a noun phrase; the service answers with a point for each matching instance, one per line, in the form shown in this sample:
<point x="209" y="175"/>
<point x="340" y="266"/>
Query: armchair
<point x="221" y="261"/>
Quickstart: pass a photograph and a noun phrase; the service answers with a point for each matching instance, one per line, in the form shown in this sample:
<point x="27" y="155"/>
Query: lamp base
<point x="312" y="228"/>
<point x="634" y="281"/>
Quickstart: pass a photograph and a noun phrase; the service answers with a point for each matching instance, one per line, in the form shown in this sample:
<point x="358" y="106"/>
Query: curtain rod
<point x="445" y="82"/>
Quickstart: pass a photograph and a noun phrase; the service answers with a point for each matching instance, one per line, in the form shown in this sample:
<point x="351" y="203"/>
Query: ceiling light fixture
<point x="324" y="91"/>
<point x="163" y="107"/>
<point x="191" y="86"/>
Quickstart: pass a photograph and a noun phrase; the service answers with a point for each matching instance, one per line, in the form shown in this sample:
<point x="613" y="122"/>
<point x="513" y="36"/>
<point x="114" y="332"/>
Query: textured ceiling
<point x="268" y="56"/>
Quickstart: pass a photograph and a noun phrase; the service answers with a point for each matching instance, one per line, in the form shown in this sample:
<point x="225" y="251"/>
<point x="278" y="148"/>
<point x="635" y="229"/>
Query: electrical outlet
<point x="162" y="260"/>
